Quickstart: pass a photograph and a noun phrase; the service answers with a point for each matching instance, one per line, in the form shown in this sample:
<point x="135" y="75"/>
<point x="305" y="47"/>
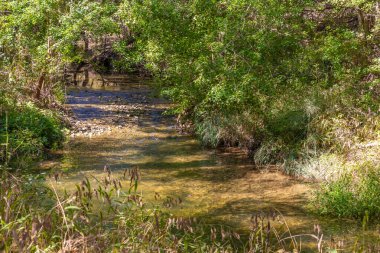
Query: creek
<point x="119" y="123"/>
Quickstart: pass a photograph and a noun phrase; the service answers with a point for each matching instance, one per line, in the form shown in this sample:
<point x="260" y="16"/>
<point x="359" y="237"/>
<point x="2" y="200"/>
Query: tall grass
<point x="110" y="216"/>
<point x="354" y="193"/>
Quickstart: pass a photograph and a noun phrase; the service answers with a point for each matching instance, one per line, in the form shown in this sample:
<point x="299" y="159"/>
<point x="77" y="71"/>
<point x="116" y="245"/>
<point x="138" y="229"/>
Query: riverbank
<point x="221" y="186"/>
<point x="122" y="128"/>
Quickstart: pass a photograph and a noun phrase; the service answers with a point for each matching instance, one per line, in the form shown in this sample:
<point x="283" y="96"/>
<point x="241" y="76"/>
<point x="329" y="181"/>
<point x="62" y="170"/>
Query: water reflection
<point x="217" y="185"/>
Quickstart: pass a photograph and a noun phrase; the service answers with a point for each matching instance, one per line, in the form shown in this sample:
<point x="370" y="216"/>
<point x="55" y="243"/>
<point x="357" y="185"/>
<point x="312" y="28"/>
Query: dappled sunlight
<point x="221" y="186"/>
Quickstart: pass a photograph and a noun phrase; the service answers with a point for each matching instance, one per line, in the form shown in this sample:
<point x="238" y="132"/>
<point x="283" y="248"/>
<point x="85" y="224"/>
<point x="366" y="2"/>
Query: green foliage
<point x="355" y="193"/>
<point x="38" y="40"/>
<point x="244" y="71"/>
<point x="277" y="77"/>
<point x="28" y="132"/>
<point x="291" y="81"/>
<point x="128" y="59"/>
<point x="290" y="125"/>
<point x="228" y="59"/>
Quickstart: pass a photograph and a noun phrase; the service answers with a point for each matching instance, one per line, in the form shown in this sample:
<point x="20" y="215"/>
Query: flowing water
<point x="122" y="125"/>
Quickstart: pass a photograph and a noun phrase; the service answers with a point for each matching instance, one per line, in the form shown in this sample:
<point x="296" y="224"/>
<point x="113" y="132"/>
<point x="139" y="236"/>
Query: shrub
<point x="28" y="131"/>
<point x="355" y="193"/>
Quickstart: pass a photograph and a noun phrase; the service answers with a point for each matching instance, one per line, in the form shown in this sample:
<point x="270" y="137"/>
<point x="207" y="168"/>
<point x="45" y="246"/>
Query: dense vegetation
<point x="38" y="41"/>
<point x="75" y="223"/>
<point x="276" y="77"/>
<point x="295" y="83"/>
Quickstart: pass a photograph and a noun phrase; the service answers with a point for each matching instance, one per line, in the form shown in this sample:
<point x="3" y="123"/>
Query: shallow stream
<point x="122" y="125"/>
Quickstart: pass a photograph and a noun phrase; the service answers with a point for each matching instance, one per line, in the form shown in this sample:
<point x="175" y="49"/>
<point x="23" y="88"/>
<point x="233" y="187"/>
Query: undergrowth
<point x="27" y="132"/>
<point x="110" y="216"/>
<point x="354" y="193"/>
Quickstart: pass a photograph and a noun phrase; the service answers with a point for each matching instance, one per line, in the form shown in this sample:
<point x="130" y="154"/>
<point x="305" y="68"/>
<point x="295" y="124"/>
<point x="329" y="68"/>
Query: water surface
<point x="123" y="126"/>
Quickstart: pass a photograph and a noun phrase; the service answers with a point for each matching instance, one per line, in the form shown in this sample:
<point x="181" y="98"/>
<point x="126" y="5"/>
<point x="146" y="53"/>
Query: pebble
<point x="115" y="112"/>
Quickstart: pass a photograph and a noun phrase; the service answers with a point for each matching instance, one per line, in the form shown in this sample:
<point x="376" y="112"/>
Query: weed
<point x="111" y="216"/>
<point x="355" y="193"/>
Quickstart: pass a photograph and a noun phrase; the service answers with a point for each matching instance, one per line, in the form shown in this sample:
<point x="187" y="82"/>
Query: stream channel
<point x="120" y="124"/>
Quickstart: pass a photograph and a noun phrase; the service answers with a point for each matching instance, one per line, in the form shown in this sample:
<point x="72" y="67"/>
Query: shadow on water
<point x="220" y="186"/>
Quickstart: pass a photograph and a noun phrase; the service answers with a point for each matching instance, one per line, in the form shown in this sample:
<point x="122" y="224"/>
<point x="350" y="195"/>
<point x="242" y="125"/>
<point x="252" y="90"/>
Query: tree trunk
<point x="363" y="22"/>
<point x="40" y="86"/>
<point x="86" y="78"/>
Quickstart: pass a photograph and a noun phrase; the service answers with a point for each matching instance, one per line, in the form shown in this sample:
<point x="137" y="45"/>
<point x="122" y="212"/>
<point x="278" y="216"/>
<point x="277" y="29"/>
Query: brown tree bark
<point x="363" y="22"/>
<point x="40" y="86"/>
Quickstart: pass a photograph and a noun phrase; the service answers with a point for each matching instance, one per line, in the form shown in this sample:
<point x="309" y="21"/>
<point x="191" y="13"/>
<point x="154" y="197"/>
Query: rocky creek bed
<point x="123" y="126"/>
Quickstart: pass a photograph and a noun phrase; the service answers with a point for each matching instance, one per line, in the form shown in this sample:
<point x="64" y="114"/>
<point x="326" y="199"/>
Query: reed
<point x="111" y="216"/>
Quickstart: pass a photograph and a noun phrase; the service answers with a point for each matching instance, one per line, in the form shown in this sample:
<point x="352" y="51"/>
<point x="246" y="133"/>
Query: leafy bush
<point x="355" y="193"/>
<point x="28" y="131"/>
<point x="291" y="126"/>
<point x="262" y="71"/>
